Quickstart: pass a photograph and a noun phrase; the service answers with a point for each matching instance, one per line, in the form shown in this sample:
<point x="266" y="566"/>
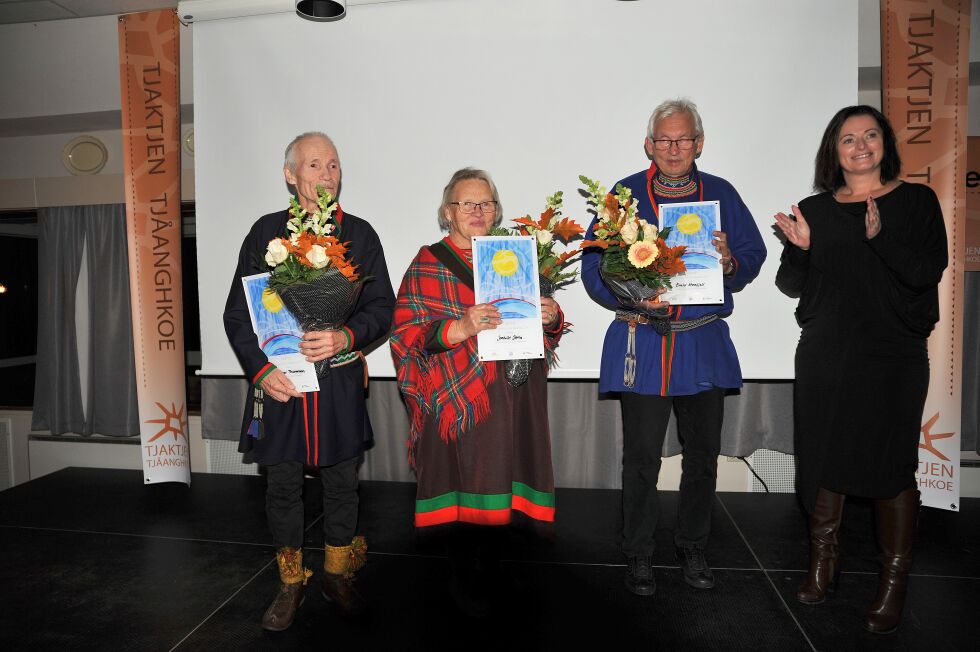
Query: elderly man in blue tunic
<point x="686" y="369"/>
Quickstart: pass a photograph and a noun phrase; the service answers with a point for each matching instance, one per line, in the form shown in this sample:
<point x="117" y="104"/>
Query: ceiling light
<point x="321" y="10"/>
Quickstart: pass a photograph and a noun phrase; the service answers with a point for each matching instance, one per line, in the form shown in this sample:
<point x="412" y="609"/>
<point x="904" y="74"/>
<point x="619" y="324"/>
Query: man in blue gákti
<point x="687" y="369"/>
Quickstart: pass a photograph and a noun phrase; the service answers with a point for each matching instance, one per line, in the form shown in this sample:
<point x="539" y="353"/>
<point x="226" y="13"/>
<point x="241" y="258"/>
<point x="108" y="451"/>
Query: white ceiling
<point x="31" y="11"/>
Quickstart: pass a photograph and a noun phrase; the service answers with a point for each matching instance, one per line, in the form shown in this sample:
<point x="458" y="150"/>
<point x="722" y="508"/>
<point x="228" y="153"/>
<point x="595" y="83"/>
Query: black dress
<point x="330" y="426"/>
<point x="862" y="368"/>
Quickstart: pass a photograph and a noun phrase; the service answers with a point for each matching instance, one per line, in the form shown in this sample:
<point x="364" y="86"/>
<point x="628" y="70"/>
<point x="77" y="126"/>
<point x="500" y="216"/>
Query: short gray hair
<point x="290" y="159"/>
<point x="464" y="175"/>
<point x="672" y="107"/>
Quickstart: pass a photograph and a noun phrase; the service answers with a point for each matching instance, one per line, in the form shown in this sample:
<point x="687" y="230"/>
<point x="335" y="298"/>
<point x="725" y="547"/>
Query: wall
<point x="53" y="94"/>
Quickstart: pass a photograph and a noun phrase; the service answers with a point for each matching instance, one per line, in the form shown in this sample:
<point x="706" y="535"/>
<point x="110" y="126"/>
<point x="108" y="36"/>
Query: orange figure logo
<point x="173" y="421"/>
<point x="928" y="438"/>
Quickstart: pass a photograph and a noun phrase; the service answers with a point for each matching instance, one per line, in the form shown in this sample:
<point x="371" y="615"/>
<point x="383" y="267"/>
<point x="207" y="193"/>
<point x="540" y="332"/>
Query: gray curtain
<point x="57" y="392"/>
<point x="586" y="429"/>
<point x="111" y="407"/>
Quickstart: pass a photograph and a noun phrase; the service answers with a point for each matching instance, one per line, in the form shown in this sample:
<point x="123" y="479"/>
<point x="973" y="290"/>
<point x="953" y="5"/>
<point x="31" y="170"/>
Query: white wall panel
<point x="535" y="92"/>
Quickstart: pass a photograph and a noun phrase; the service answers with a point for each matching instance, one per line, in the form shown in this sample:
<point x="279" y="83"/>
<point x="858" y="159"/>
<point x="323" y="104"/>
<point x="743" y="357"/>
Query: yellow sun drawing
<point x="689" y="223"/>
<point x="505" y="262"/>
<point x="271" y="300"/>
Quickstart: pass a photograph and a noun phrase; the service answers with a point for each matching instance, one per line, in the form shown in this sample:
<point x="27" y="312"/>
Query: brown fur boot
<point x="293" y="577"/>
<point x="339" y="565"/>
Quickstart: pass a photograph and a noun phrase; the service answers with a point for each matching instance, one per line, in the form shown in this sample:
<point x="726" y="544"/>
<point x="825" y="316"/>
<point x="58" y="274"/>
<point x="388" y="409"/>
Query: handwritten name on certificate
<point x="692" y="225"/>
<point x="278" y="332"/>
<point x="505" y="275"/>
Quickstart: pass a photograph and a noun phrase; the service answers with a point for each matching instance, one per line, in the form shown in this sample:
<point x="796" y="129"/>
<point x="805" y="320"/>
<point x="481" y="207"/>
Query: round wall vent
<point x="84" y="155"/>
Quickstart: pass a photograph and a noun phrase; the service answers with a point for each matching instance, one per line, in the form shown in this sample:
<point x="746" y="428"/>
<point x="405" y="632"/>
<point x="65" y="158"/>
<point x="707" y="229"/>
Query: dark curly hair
<point x="827" y="175"/>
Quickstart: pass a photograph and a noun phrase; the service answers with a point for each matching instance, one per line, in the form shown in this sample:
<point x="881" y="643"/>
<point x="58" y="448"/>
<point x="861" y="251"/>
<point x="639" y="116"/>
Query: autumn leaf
<point x="545" y="218"/>
<point x="567" y="229"/>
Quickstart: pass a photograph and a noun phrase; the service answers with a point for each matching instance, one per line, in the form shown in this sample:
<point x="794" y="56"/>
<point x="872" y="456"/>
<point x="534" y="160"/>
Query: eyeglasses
<point x="469" y="207"/>
<point x="664" y="144"/>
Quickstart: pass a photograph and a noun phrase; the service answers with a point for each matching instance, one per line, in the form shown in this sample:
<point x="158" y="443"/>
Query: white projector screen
<point x="536" y="92"/>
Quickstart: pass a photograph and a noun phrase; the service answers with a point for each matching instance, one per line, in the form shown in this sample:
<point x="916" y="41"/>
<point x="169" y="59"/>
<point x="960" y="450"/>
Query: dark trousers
<point x="284" y="502"/>
<point x="645" y="418"/>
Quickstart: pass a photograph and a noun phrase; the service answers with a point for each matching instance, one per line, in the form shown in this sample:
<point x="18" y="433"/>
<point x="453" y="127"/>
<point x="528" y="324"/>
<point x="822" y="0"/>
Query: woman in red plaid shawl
<point x="481" y="449"/>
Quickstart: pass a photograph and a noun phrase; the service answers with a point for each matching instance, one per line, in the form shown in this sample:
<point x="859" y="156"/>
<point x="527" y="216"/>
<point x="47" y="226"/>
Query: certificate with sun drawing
<point x="692" y="225"/>
<point x="278" y="332"/>
<point x="505" y="274"/>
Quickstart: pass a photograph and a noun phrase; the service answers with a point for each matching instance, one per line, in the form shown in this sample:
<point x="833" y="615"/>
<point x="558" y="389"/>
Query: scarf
<point x="452" y="384"/>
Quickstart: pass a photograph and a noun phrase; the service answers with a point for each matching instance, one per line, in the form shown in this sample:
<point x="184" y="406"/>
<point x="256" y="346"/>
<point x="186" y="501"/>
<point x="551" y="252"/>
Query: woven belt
<point x="663" y="325"/>
<point x="343" y="359"/>
<point x="347" y="358"/>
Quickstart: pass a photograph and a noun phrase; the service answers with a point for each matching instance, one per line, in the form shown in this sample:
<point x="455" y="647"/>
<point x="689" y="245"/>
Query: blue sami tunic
<point x="688" y="362"/>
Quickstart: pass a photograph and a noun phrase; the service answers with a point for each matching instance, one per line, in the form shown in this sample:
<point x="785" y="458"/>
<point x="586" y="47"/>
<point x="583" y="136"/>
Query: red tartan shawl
<point x="452" y="383"/>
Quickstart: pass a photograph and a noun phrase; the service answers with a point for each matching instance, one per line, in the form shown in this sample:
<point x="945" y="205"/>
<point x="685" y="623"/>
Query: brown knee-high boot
<point x="824" y="551"/>
<point x="896" y="521"/>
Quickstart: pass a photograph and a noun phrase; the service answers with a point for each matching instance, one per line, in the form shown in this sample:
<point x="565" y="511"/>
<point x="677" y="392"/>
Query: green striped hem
<point x="485" y="501"/>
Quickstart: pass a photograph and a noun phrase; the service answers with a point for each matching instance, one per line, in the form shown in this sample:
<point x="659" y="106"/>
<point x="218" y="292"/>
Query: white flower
<point x="276" y="252"/>
<point x="294" y="239"/>
<point x="317" y="255"/>
<point x="629" y="232"/>
<point x="543" y="236"/>
<point x="649" y="231"/>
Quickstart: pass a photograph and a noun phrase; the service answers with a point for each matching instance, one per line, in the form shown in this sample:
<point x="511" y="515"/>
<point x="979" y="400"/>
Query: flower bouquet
<point x="636" y="262"/>
<point x="311" y="273"/>
<point x="550" y="228"/>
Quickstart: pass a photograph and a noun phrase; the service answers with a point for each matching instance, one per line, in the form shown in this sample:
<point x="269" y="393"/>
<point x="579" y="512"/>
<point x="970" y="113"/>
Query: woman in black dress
<point x="865" y="262"/>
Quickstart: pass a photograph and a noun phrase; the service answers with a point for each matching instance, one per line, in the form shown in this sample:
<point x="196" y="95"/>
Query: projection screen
<point x="535" y="91"/>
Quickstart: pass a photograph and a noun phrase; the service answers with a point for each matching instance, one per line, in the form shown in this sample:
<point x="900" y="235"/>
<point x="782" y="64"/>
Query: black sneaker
<point x="639" y="576"/>
<point x="695" y="567"/>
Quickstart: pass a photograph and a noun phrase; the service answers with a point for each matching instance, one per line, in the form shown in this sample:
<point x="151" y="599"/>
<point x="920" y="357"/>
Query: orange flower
<point x="642" y="253"/>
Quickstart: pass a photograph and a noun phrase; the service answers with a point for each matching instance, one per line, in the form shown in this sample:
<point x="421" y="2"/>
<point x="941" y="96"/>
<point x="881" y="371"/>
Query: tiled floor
<point x="93" y="559"/>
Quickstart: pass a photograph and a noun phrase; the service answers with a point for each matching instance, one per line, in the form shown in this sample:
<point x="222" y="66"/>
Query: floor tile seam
<point x="877" y="573"/>
<point x="222" y="605"/>
<point x="132" y="535"/>
<point x="775" y="589"/>
<point x="542" y="562"/>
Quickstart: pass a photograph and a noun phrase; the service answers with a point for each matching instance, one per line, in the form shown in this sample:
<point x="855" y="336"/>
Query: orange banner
<point x="971" y="246"/>
<point x="925" y="77"/>
<point x="149" y="71"/>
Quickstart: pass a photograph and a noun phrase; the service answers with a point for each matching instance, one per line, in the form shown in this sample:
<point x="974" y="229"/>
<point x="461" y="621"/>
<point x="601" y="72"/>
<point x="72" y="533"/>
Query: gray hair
<point x="290" y="159"/>
<point x="464" y="175"/>
<point x="672" y="107"/>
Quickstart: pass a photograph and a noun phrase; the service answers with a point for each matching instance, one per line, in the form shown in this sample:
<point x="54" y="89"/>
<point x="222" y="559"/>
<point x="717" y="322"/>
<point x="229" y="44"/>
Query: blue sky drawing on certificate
<point x="279" y="332"/>
<point x="700" y="254"/>
<point x="513" y="293"/>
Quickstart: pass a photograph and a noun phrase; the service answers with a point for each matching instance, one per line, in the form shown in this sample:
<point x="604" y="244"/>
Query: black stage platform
<point x="93" y="559"/>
